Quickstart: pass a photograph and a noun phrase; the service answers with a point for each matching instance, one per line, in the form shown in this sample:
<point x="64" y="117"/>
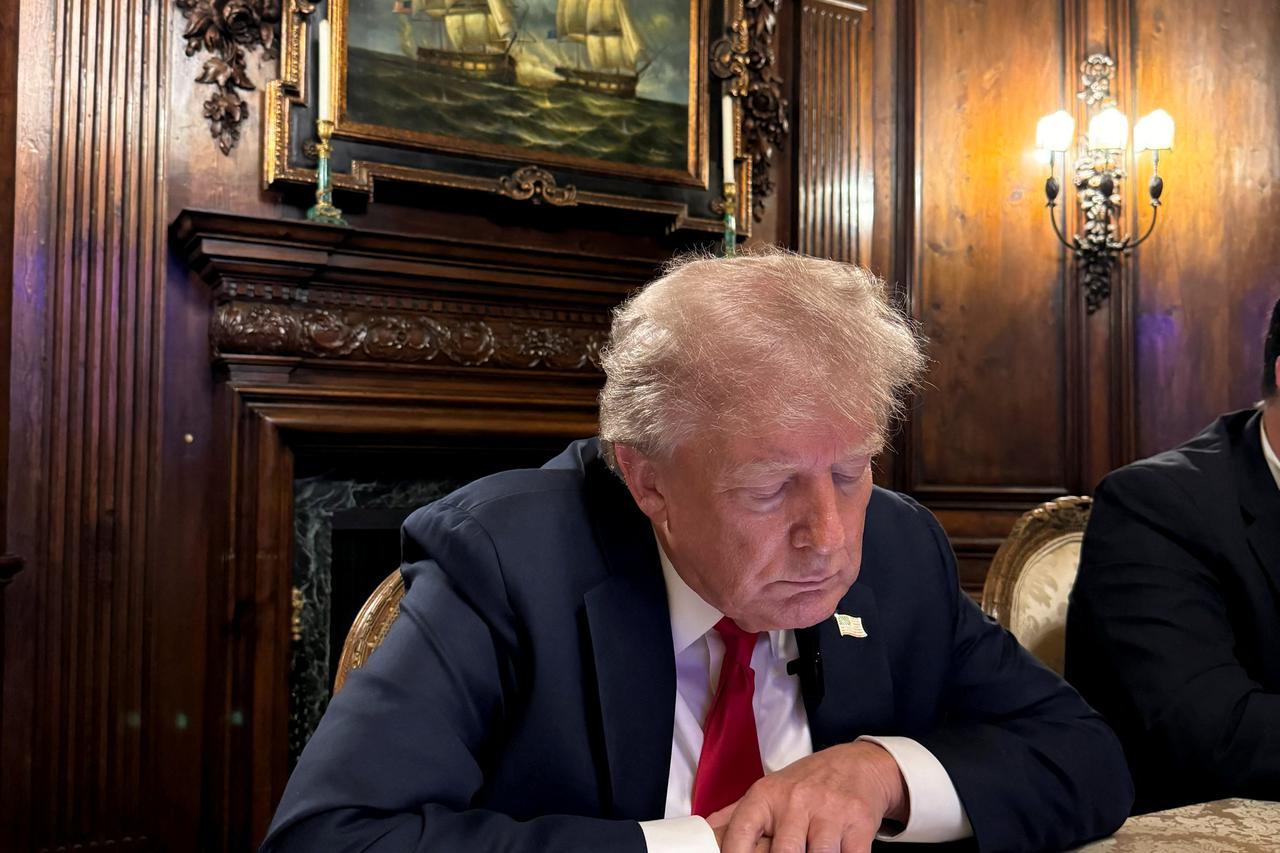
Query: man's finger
<point x="791" y="826"/>
<point x="751" y="820"/>
<point x="858" y="839"/>
<point x="825" y="836"/>
<point x="723" y="816"/>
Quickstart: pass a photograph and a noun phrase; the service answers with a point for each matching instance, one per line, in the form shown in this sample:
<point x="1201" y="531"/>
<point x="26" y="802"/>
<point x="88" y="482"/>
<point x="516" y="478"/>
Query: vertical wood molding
<point x="86" y="311"/>
<point x="1101" y="344"/>
<point x="894" y="218"/>
<point x="9" y="564"/>
<point x="249" y="677"/>
<point x="833" y="158"/>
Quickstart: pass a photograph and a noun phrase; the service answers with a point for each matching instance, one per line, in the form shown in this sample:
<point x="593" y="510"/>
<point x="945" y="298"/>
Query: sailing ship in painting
<point x="603" y="34"/>
<point x="601" y="48"/>
<point x="472" y="38"/>
<point x="601" y="81"/>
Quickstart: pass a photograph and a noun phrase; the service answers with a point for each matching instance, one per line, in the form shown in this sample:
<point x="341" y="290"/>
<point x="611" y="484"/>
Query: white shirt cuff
<point x="936" y="814"/>
<point x="679" y="835"/>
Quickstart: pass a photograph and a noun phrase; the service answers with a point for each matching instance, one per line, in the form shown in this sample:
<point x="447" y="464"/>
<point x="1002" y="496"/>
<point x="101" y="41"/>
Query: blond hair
<point x="765" y="339"/>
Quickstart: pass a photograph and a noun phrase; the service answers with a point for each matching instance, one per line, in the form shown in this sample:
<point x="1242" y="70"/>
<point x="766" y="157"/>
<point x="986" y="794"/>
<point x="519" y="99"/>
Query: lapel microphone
<point x="808" y="666"/>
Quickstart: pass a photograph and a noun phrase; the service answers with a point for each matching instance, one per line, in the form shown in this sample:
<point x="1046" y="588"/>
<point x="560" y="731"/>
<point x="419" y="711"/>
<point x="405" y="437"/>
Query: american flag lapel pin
<point x="850" y="626"/>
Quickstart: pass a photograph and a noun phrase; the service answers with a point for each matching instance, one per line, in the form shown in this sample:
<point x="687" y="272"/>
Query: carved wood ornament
<point x="267" y="328"/>
<point x="747" y="55"/>
<point x="226" y="29"/>
<point x="531" y="183"/>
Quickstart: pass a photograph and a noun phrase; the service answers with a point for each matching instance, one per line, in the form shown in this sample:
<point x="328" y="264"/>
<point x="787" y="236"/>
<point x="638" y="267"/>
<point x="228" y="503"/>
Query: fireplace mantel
<point x="323" y="336"/>
<point x="299" y="290"/>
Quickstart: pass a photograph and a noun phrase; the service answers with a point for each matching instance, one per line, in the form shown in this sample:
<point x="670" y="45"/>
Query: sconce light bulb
<point x="1054" y="131"/>
<point x="1108" y="130"/>
<point x="1153" y="132"/>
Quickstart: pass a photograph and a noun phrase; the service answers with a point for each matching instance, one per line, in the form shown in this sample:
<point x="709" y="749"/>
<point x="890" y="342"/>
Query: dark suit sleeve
<point x="1150" y="644"/>
<point x="1034" y="766"/>
<point x="400" y="754"/>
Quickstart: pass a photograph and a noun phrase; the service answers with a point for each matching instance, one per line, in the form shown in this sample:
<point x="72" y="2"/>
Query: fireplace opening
<point x="348" y="506"/>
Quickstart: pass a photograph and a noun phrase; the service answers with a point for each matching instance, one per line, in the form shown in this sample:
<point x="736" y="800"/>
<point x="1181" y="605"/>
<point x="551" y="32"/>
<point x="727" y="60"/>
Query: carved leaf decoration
<point x="240" y="76"/>
<point x="226" y="28"/>
<point x="198" y="23"/>
<point x="212" y="39"/>
<point x="223" y="74"/>
<point x="225" y="110"/>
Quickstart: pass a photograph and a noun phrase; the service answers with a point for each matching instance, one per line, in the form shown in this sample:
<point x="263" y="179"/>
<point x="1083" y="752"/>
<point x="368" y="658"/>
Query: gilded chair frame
<point x="370" y="626"/>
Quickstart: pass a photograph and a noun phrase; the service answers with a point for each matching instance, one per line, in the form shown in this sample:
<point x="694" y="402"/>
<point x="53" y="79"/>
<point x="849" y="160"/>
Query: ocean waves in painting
<point x="400" y="93"/>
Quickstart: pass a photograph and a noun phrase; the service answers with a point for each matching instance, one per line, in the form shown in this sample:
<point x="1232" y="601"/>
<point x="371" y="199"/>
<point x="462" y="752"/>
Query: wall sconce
<point x="1099" y="169"/>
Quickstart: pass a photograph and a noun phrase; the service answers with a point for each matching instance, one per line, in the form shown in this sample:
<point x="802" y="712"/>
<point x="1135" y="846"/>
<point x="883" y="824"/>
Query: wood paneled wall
<point x="986" y="278"/>
<point x="911" y="152"/>
<point x="84" y="712"/>
<point x="1206" y="282"/>
<point x="1030" y="396"/>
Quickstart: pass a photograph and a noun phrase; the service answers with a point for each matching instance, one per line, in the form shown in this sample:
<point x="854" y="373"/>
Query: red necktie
<point x="730" y="760"/>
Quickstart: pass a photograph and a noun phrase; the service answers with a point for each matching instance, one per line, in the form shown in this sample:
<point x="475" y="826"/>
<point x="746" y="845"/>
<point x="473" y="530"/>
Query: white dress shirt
<point x="781" y="725"/>
<point x="1268" y="453"/>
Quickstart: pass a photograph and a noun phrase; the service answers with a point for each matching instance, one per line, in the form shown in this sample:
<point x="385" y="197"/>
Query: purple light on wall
<point x="1157" y="334"/>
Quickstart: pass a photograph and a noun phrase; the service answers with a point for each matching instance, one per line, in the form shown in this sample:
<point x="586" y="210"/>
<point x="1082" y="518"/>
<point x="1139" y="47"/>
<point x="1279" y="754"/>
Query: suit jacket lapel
<point x="630" y="637"/>
<point x="857" y="696"/>
<point x="1259" y="499"/>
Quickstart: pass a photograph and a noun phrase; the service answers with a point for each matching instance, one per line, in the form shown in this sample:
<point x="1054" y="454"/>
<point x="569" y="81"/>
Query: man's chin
<point x="801" y="609"/>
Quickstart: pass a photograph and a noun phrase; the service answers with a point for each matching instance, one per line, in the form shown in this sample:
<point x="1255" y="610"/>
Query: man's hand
<point x="830" y="802"/>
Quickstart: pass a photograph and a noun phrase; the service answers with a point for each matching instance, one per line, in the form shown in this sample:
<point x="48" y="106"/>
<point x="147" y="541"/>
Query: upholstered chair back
<point x="1032" y="574"/>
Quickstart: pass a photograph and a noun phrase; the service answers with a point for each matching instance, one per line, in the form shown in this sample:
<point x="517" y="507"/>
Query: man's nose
<point x="819" y="526"/>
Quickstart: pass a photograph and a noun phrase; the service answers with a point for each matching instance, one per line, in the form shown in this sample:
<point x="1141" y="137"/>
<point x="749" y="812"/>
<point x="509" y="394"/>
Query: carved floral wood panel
<point x="226" y="29"/>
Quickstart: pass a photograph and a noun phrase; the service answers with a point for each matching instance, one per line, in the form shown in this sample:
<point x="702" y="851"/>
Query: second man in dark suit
<point x="1173" y="631"/>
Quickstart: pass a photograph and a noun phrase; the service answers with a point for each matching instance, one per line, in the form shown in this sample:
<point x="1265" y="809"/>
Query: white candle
<point x="326" y="104"/>
<point x="726" y="138"/>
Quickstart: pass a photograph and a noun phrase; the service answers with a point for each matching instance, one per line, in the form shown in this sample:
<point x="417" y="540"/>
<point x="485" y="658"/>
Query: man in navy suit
<point x="1174" y="626"/>
<point x="656" y="642"/>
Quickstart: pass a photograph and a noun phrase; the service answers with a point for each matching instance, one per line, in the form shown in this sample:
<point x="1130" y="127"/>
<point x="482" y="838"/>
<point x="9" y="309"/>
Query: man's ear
<point x="641" y="476"/>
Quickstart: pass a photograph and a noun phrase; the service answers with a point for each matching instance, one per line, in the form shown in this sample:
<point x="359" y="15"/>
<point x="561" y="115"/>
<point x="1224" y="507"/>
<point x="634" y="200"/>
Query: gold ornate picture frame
<point x="681" y="189"/>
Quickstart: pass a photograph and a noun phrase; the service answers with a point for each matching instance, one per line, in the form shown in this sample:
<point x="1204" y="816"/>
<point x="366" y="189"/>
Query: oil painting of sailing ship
<point x="582" y="80"/>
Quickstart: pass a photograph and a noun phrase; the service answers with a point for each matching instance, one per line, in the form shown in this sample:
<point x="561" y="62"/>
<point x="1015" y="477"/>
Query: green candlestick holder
<point x="730" y="220"/>
<point x="324" y="211"/>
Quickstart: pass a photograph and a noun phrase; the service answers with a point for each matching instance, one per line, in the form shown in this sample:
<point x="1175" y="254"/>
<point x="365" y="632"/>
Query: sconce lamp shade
<point x="1108" y="130"/>
<point x="1054" y="131"/>
<point x="1153" y="132"/>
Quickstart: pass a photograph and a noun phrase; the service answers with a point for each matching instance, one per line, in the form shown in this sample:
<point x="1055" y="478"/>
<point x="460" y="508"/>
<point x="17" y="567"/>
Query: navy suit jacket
<point x="1174" y="626"/>
<point x="524" y="699"/>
